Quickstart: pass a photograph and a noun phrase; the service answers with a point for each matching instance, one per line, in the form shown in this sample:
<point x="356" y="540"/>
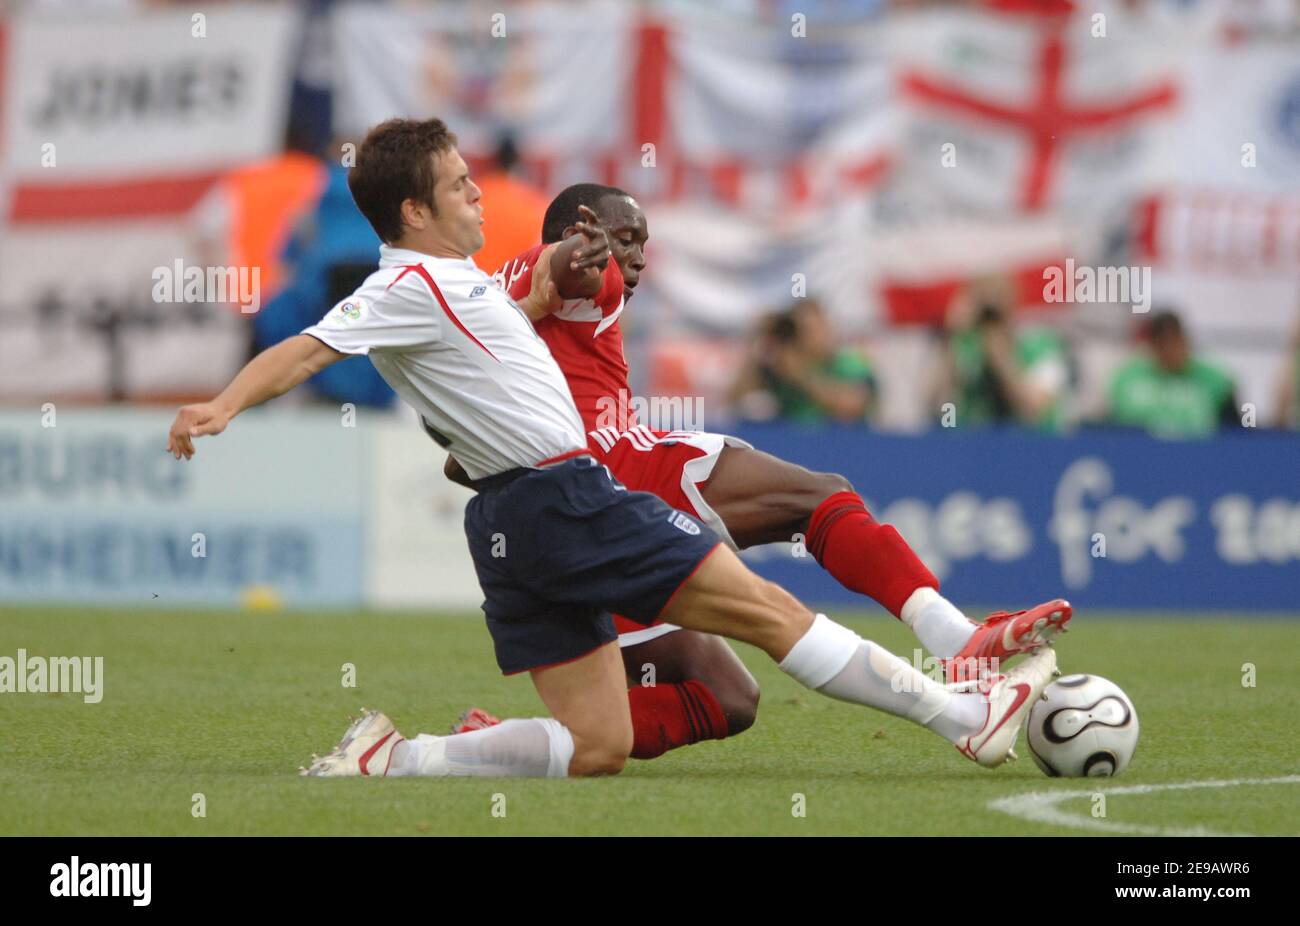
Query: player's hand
<point x="543" y="295"/>
<point x="593" y="254"/>
<point x="195" y="421"/>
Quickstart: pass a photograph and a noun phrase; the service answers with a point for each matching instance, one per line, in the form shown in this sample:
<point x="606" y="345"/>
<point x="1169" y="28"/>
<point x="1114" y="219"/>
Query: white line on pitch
<point x="1041" y="806"/>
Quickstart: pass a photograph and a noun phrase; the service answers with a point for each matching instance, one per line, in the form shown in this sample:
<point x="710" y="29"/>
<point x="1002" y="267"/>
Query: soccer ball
<point x="1083" y="727"/>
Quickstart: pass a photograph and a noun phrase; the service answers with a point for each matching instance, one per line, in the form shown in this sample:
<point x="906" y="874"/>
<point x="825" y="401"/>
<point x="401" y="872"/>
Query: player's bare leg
<point x="723" y="597"/>
<point x="589" y="696"/>
<point x="764" y="499"/>
<point x="589" y="733"/>
<point x="685" y="687"/>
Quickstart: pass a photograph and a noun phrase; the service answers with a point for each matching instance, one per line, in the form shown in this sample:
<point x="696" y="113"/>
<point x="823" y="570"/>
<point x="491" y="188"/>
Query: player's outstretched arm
<point x="273" y="372"/>
<point x="543" y="296"/>
<point x="572" y="268"/>
<point x="579" y="261"/>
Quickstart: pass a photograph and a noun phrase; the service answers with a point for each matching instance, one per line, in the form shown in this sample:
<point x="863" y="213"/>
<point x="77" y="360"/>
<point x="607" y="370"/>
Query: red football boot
<point x="474" y="719"/>
<point x="1003" y="635"/>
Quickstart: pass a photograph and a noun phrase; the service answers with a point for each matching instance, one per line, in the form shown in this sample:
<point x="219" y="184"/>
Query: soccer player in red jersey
<point x="467" y="359"/>
<point x="701" y="688"/>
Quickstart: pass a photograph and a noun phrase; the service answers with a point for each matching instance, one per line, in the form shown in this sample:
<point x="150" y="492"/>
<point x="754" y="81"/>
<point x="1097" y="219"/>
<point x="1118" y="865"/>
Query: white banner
<point x="78" y="318"/>
<point x="1240" y="128"/>
<point x="113" y="124"/>
<point x="557" y="74"/>
<point x="137" y="93"/>
<point x="297" y="506"/>
<point x="1222" y="233"/>
<point x="92" y="509"/>
<point x="801" y="117"/>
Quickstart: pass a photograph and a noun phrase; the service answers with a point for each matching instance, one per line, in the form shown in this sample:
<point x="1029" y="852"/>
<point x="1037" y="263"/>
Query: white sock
<point x="835" y="661"/>
<point x="937" y="623"/>
<point x="537" y="748"/>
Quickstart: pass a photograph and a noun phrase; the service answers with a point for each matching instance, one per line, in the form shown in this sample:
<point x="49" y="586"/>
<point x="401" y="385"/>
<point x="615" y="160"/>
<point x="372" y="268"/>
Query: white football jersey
<point x="457" y="349"/>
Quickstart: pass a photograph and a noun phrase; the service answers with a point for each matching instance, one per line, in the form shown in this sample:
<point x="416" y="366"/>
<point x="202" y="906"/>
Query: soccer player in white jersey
<point x="577" y="544"/>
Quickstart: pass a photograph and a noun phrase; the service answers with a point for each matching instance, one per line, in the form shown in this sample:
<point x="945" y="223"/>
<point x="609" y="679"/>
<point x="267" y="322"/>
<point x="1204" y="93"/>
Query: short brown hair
<point x="395" y="164"/>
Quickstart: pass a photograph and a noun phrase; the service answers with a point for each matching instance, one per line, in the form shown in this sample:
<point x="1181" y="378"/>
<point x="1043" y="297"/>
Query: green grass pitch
<point x="229" y="704"/>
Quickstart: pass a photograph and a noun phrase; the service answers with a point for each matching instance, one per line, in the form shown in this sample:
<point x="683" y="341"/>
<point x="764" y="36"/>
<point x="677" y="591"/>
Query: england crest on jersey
<point x="683" y="523"/>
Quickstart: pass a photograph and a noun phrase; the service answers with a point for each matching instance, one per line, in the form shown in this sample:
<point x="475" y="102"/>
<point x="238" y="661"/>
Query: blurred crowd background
<point x="851" y="204"/>
<point x="970" y="255"/>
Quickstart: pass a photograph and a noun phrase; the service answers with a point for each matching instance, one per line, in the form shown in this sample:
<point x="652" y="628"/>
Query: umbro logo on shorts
<point x="683" y="523"/>
<point x="477" y="291"/>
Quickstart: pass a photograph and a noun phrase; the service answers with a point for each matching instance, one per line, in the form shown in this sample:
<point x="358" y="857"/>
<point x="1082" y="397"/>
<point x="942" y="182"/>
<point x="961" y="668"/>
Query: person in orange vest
<point x="512" y="220"/>
<point x="248" y="216"/>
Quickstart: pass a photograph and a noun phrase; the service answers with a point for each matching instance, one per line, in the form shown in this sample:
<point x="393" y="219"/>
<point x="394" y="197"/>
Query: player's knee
<point x="731" y="685"/>
<point x="822" y="486"/>
<point x="814" y="489"/>
<point x="738" y="699"/>
<point x="830" y="483"/>
<point x="597" y="760"/>
<point x="605" y="754"/>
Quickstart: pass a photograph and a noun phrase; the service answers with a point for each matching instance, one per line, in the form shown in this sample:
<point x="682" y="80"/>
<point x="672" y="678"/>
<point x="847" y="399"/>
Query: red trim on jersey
<point x="437" y="293"/>
<point x="568" y="455"/>
<point x="111" y="200"/>
<point x="405" y="271"/>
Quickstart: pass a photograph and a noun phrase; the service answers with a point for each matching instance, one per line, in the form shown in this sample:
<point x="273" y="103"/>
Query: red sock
<point x="667" y="716"/>
<point x="864" y="555"/>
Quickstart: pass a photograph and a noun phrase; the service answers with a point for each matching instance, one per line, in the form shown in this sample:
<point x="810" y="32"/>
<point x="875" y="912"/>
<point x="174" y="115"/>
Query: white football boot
<point x="366" y="749"/>
<point x="1010" y="698"/>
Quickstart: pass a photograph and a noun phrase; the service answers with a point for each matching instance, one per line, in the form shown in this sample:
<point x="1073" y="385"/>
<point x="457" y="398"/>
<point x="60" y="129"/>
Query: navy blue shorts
<point x="557" y="549"/>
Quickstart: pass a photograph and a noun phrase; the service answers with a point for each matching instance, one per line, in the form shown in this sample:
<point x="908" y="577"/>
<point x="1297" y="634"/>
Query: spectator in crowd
<point x="995" y="372"/>
<point x="798" y="373"/>
<point x="332" y="250"/>
<point x="512" y="216"/>
<point x="1167" y="390"/>
<point x="246" y="218"/>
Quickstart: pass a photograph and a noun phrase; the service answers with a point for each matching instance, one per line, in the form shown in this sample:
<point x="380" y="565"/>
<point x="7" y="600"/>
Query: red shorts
<point x="672" y="465"/>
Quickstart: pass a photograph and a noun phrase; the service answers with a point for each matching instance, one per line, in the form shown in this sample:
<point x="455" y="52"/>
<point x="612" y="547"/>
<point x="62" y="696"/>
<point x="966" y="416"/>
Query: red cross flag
<point x="1032" y="108"/>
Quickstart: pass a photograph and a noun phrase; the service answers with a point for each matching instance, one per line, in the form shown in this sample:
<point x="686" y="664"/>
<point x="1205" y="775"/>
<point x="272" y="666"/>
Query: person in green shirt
<point x="994" y="372"/>
<point x="1168" y="391"/>
<point x="802" y="374"/>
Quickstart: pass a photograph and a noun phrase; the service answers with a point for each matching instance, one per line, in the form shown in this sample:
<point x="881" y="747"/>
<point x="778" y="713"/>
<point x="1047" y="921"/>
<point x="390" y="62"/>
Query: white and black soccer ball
<point x="1083" y="727"/>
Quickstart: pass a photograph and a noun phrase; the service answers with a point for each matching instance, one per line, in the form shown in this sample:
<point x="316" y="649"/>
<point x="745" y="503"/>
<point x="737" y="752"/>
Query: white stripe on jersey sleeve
<point x="602" y="437"/>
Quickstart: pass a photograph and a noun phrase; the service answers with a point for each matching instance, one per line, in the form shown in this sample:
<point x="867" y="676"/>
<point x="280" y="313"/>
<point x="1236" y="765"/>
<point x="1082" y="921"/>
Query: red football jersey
<point x="584" y="338"/>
